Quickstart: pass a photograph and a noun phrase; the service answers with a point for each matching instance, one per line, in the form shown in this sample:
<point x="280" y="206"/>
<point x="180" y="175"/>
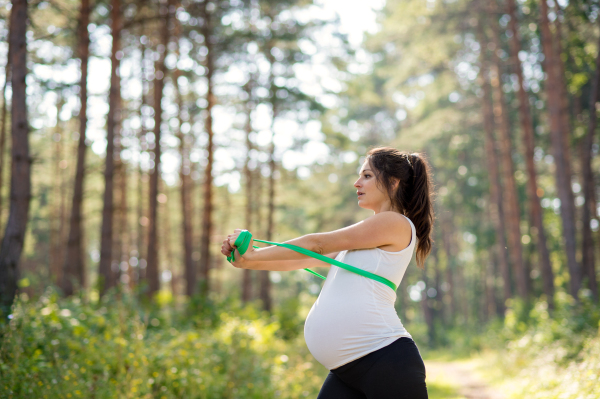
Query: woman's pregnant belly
<point x="344" y="325"/>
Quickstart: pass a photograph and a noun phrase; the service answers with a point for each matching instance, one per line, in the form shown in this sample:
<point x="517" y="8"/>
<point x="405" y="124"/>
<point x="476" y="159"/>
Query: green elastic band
<point x="244" y="241"/>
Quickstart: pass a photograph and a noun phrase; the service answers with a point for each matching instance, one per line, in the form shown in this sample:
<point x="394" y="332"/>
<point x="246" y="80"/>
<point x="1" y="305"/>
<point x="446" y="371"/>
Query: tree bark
<point x="186" y="181"/>
<point x="450" y="270"/>
<point x="3" y="129"/>
<point x="123" y="231"/>
<point x="20" y="184"/>
<point x="105" y="272"/>
<point x="587" y="174"/>
<point x="56" y="216"/>
<point x="426" y="307"/>
<point x="496" y="203"/>
<point x="74" y="266"/>
<point x="511" y="200"/>
<point x="560" y="150"/>
<point x="141" y="233"/>
<point x="562" y="84"/>
<point x="247" y="274"/>
<point x="152" y="272"/>
<point x="205" y="258"/>
<point x="529" y="147"/>
<point x="265" y="281"/>
<point x="165" y="238"/>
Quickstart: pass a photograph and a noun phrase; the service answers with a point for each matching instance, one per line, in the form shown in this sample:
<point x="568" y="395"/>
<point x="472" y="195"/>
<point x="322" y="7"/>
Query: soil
<point x="463" y="376"/>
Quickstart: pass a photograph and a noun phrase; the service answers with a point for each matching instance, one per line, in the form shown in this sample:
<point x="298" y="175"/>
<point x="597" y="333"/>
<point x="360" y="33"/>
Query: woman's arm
<point x="282" y="265"/>
<point x="382" y="229"/>
<point x="274" y="265"/>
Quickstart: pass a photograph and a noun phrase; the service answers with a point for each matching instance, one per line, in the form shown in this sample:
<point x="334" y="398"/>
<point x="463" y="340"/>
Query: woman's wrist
<point x="249" y="254"/>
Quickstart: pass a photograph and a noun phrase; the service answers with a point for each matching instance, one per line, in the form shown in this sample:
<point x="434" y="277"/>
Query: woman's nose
<point x="356" y="183"/>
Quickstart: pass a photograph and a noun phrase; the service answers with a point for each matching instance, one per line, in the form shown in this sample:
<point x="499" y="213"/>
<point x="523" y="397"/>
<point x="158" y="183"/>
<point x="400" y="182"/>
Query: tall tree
<point x="209" y="17"/>
<point x="186" y="181"/>
<point x="265" y="281"/>
<point x="73" y="275"/>
<point x="3" y="127"/>
<point x="105" y="272"/>
<point x="559" y="149"/>
<point x="123" y="237"/>
<point x="496" y="203"/>
<point x="152" y="272"/>
<point x="589" y="187"/>
<point x="248" y="106"/>
<point x="141" y="219"/>
<point x="528" y="144"/>
<point x="20" y="183"/>
<point x="281" y="50"/>
<point x="511" y="200"/>
<point x="562" y="83"/>
<point x="426" y="302"/>
<point x="450" y="269"/>
<point x="58" y="194"/>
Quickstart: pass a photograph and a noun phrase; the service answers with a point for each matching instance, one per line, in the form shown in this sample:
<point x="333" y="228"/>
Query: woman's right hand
<point x="228" y="244"/>
<point x="226" y="248"/>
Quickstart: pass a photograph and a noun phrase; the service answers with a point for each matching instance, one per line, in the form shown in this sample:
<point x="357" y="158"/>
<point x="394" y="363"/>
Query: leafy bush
<point x="55" y="348"/>
<point x="540" y="353"/>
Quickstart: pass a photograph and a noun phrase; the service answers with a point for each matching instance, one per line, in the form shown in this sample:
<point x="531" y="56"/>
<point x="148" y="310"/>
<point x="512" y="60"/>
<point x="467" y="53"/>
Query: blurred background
<point x="136" y="134"/>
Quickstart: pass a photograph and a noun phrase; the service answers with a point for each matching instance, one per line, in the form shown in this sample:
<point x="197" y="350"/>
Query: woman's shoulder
<point x="391" y="220"/>
<point x="391" y="217"/>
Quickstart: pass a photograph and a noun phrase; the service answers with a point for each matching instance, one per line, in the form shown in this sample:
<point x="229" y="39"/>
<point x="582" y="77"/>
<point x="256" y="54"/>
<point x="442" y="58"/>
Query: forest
<point x="135" y="135"/>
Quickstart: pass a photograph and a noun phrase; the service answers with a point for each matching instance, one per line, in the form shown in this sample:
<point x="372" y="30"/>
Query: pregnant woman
<point x="353" y="329"/>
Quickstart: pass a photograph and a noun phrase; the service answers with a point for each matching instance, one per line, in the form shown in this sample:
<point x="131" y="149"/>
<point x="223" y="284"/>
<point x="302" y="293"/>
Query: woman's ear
<point x="395" y="183"/>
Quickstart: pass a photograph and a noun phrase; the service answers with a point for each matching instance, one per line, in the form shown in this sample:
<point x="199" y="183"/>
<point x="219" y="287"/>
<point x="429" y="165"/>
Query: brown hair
<point x="412" y="198"/>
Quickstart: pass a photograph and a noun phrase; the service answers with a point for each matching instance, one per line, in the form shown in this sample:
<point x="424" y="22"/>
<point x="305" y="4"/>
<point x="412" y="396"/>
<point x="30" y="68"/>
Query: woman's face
<point x="370" y="196"/>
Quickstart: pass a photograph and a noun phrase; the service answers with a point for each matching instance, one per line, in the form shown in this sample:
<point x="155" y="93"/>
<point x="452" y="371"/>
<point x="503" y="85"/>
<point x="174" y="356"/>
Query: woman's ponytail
<point x="413" y="195"/>
<point x="420" y="210"/>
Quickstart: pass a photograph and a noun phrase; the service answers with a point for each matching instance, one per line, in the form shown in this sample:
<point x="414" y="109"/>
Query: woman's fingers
<point x="228" y="244"/>
<point x="226" y="248"/>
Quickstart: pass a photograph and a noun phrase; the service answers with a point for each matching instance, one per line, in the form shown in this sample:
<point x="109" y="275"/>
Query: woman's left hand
<point x="228" y="247"/>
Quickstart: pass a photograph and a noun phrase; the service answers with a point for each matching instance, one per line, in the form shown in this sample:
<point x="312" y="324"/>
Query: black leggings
<point x="394" y="371"/>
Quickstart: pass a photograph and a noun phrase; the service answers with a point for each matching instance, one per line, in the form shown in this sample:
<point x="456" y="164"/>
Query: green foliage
<point x="549" y="354"/>
<point x="118" y="348"/>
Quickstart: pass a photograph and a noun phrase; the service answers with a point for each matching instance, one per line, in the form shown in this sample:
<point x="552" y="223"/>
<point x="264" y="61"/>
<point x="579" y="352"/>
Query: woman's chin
<point x="362" y="205"/>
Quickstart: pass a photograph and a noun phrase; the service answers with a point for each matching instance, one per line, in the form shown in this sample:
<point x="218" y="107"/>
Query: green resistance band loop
<point x="244" y="241"/>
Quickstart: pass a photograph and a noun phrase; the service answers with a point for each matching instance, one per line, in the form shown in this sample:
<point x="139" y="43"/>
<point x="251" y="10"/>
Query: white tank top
<point x="354" y="315"/>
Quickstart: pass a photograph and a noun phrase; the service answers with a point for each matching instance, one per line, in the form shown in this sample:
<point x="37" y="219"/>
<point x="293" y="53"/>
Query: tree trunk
<point x="560" y="150"/>
<point x="142" y="176"/>
<point x="564" y="92"/>
<point x="246" y="273"/>
<point x="106" y="275"/>
<point x="74" y="266"/>
<point x="426" y="307"/>
<point x="450" y="300"/>
<point x="207" y="32"/>
<point x="528" y="143"/>
<point x="513" y="217"/>
<point x="265" y="282"/>
<point x="56" y="217"/>
<point x="124" y="237"/>
<point x="496" y="203"/>
<point x="588" y="178"/>
<point x="184" y="175"/>
<point x="152" y="272"/>
<point x="165" y="238"/>
<point x="3" y="129"/>
<point x="20" y="184"/>
<point x="439" y="303"/>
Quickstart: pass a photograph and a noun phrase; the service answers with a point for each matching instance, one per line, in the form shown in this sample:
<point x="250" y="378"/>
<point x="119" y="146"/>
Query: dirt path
<point x="463" y="377"/>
